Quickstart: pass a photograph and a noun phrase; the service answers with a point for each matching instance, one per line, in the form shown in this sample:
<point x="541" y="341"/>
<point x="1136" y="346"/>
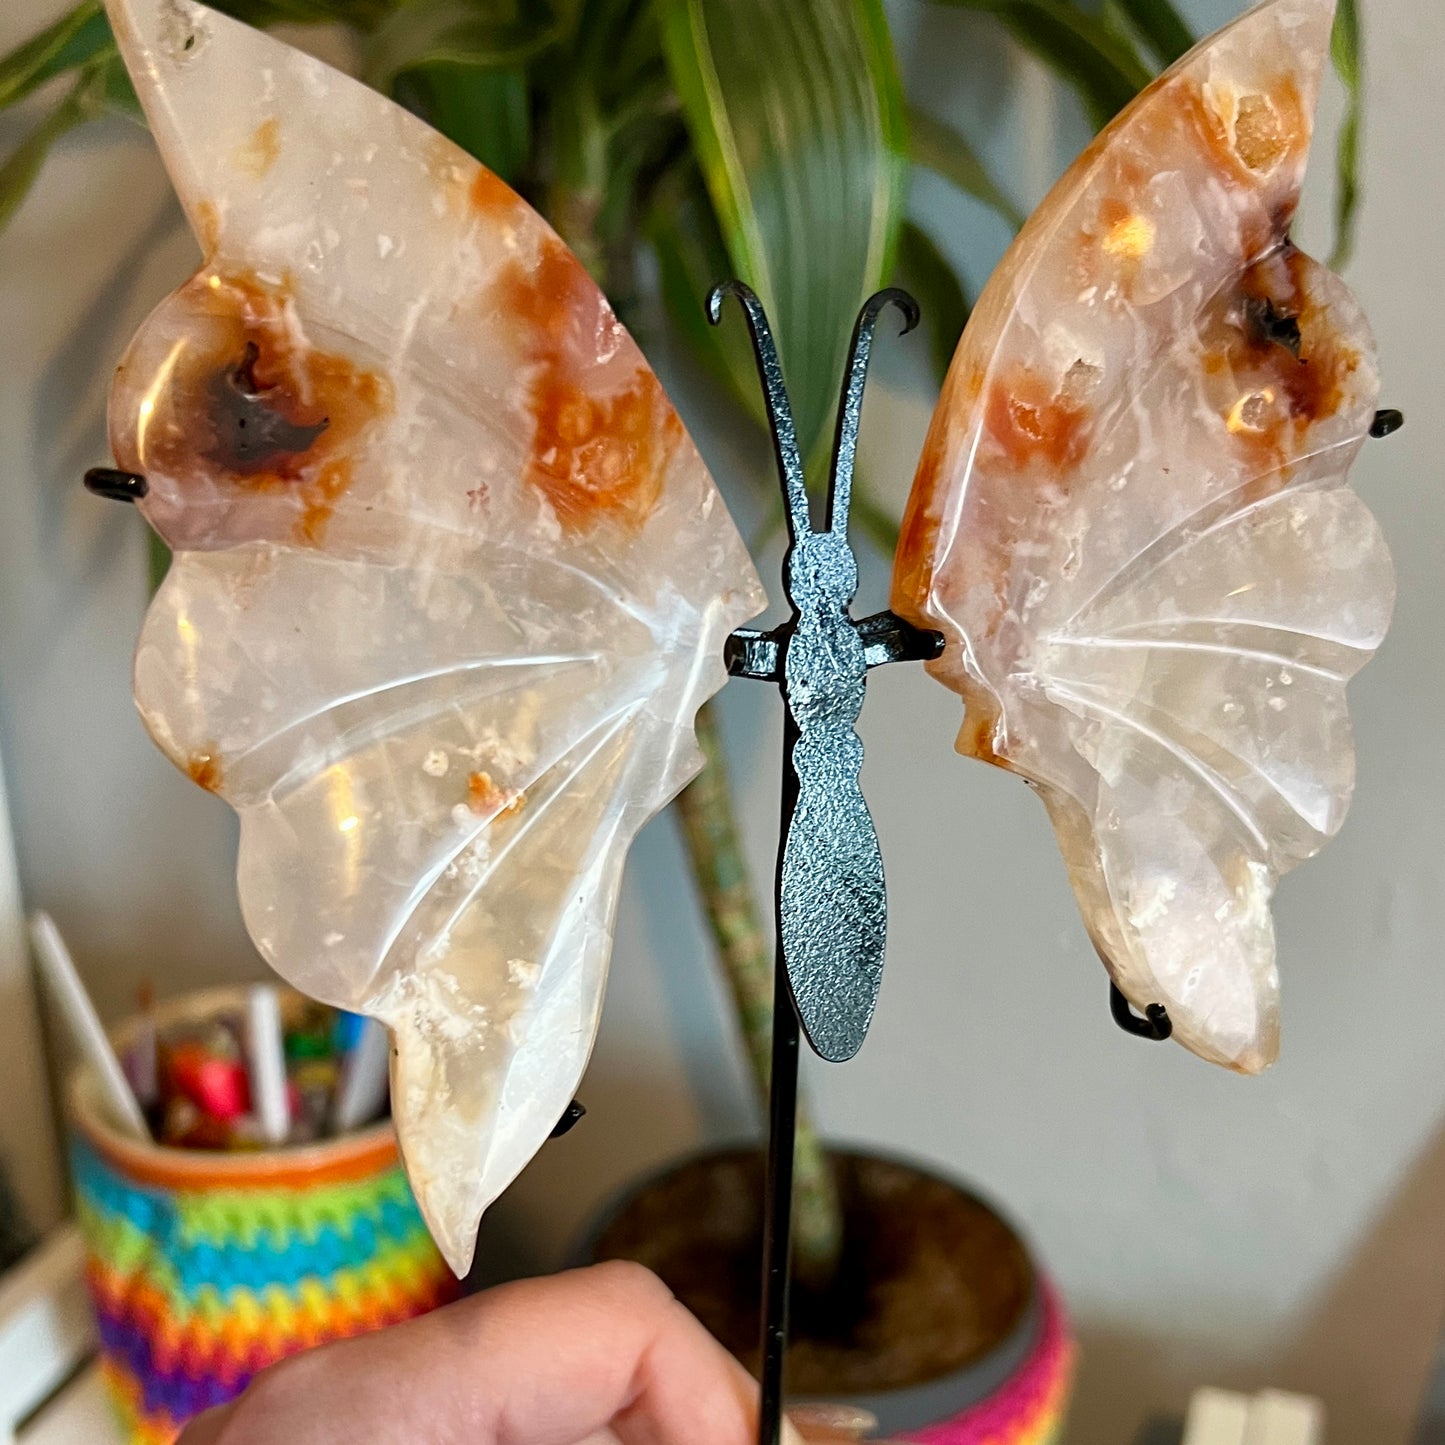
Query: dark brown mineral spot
<point x="251" y="429"/>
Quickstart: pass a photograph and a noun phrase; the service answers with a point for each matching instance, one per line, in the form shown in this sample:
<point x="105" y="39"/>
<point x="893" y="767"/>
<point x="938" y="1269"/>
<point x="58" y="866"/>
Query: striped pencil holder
<point x="206" y="1267"/>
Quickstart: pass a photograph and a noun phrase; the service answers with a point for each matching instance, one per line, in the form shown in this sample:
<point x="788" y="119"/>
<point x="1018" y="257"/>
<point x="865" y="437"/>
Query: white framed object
<point x="51" y="1392"/>
<point x="1272" y="1417"/>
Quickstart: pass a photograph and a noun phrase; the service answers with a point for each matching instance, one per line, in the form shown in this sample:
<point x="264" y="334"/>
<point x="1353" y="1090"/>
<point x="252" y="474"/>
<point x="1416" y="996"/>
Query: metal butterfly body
<point x="451" y="580"/>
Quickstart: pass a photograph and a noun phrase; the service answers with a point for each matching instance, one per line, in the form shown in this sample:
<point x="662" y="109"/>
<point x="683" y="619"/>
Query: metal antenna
<point x="850" y="404"/>
<point x="775" y="398"/>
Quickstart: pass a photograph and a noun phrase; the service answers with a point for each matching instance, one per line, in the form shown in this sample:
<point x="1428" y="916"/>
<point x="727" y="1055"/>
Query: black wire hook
<point x="850" y="403"/>
<point x="570" y="1115"/>
<point x="116" y="485"/>
<point x="775" y="398"/>
<point x="1156" y="1025"/>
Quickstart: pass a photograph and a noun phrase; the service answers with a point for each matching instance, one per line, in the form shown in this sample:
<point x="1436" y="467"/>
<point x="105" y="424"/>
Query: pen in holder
<point x="205" y="1266"/>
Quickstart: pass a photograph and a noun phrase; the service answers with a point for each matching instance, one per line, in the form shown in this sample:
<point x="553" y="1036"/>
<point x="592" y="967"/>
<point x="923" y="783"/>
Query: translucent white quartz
<point x="450" y="580"/>
<point x="1131" y="525"/>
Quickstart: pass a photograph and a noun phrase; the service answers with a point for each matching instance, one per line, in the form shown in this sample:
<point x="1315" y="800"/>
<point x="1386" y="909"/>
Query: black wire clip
<point x="116" y="485"/>
<point x="570" y="1116"/>
<point x="1155" y="1025"/>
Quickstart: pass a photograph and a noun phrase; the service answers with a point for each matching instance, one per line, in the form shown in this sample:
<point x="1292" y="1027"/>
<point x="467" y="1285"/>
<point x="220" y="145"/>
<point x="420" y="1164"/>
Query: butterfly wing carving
<point x="450" y="580"/>
<point x="1130" y="521"/>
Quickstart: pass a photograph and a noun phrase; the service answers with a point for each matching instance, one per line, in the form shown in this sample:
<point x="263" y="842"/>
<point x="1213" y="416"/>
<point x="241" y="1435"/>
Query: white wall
<point x="1289" y="1230"/>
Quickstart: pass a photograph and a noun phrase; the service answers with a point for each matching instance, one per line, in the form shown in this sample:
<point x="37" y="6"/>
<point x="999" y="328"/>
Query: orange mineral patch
<point x="250" y="407"/>
<point x="916" y="557"/>
<point x="261" y="150"/>
<point x="1316" y="383"/>
<point x="599" y="449"/>
<point x="1277" y="364"/>
<point x="491" y="195"/>
<point x="1247" y="136"/>
<point x="485" y="797"/>
<point x="204" y="767"/>
<point x="1030" y="421"/>
<point x="1128" y="234"/>
<point x="208" y="226"/>
<point x="1114" y="245"/>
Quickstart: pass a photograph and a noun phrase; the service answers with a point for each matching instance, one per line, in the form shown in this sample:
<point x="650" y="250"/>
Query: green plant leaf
<point x="938" y="147"/>
<point x="359" y="14"/>
<point x="1085" y="51"/>
<point x="1346" y="50"/>
<point x="158" y="559"/>
<point x="120" y="96"/>
<point x="71" y="41"/>
<point x="683" y="231"/>
<point x="493" y="34"/>
<point x="632" y="54"/>
<point x="796" y="115"/>
<point x="484" y="111"/>
<point x="1160" y="26"/>
<point x="644" y="139"/>
<point x="929" y="275"/>
<point x="18" y="171"/>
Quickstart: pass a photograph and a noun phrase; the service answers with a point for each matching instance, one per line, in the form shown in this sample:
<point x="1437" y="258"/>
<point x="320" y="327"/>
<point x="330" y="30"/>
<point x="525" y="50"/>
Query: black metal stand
<point x="778" y="1208"/>
<point x="831" y="910"/>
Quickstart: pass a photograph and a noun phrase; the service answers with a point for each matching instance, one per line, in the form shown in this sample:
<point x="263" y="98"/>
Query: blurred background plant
<point x="766" y="139"/>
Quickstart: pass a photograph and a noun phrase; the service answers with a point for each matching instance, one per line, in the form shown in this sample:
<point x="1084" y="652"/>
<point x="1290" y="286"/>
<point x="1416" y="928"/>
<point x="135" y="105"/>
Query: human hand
<point x="600" y="1356"/>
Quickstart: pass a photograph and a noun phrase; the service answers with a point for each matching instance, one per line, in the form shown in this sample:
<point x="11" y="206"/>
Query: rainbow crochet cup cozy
<point x="206" y="1267"/>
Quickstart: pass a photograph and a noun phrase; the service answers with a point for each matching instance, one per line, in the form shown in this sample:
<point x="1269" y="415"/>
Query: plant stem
<point x="709" y="828"/>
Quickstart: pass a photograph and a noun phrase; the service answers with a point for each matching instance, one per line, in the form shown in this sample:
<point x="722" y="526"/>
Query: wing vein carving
<point x="1180" y="754"/>
<point x="1221" y="512"/>
<point x="393" y="724"/>
<point x="601" y="735"/>
<point x="605" y="723"/>
<point x="1147" y="642"/>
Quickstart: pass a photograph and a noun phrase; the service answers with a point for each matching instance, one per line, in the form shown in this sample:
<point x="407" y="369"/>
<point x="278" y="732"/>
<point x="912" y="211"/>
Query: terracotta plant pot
<point x="937" y="1319"/>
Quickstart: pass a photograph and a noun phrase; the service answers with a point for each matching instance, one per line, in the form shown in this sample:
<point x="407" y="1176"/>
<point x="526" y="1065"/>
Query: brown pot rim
<point x="584" y="1244"/>
<point x="902" y="1406"/>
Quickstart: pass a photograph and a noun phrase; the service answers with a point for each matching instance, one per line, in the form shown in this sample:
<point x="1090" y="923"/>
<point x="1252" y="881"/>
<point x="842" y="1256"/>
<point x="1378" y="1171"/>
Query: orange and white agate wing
<point x="1131" y="524"/>
<point x="450" y="580"/>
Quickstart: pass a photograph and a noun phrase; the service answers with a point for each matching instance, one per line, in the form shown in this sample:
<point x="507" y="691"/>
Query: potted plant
<point x="679" y="129"/>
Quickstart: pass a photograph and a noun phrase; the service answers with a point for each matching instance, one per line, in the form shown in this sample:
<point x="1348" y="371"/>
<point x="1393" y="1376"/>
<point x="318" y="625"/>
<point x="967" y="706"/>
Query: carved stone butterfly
<point x="451" y="580"/>
<point x="1131" y="523"/>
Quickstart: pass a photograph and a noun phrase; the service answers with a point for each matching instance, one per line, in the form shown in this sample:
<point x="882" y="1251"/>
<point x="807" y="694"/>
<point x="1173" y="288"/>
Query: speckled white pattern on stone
<point x="1131" y="524"/>
<point x="450" y="580"/>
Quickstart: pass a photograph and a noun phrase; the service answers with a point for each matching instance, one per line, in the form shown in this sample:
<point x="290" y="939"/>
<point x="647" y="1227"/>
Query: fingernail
<point x="832" y="1422"/>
